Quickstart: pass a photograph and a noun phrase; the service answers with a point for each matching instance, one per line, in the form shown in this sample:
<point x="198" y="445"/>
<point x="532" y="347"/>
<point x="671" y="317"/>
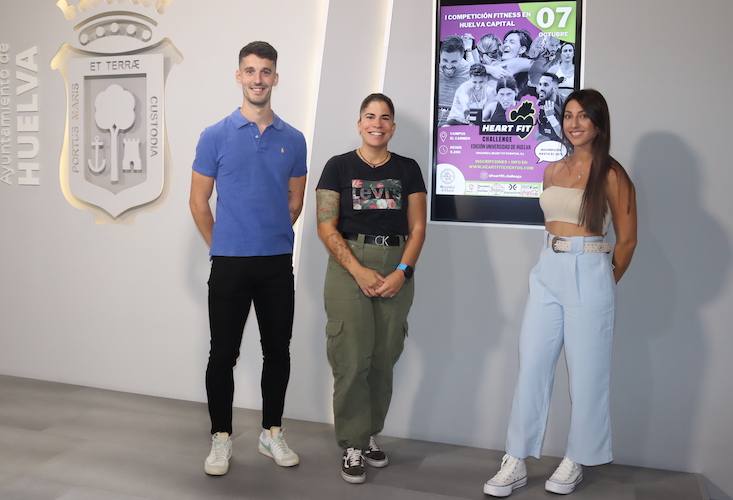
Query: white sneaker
<point x="217" y="463"/>
<point x="277" y="449"/>
<point x="511" y="475"/>
<point x="565" y="478"/>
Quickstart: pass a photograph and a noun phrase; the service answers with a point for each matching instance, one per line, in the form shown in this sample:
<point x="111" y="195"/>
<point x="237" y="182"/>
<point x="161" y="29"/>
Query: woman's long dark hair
<point x="595" y="201"/>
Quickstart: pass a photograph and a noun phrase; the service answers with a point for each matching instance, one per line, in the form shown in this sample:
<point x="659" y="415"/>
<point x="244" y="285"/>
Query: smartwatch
<point x="406" y="270"/>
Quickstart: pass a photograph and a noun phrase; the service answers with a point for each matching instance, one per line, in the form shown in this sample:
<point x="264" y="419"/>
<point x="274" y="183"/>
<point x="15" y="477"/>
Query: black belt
<point x="385" y="240"/>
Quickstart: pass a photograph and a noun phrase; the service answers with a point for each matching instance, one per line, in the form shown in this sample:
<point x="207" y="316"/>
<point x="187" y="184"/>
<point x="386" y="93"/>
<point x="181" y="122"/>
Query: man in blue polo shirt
<point x="258" y="163"/>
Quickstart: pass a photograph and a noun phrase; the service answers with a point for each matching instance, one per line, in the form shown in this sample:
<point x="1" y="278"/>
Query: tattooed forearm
<point x="340" y="250"/>
<point x="327" y="203"/>
<point x="327" y="206"/>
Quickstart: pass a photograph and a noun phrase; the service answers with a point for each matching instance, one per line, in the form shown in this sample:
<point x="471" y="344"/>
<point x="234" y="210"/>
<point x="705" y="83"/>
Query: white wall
<point x="122" y="306"/>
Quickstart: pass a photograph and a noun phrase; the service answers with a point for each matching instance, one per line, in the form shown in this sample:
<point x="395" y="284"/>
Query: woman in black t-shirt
<point x="371" y="217"/>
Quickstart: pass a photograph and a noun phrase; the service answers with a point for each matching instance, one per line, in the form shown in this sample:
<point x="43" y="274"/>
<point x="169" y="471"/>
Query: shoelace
<point x="505" y="471"/>
<point x="220" y="449"/>
<point x="279" y="444"/>
<point x="373" y="444"/>
<point x="353" y="457"/>
<point x="565" y="469"/>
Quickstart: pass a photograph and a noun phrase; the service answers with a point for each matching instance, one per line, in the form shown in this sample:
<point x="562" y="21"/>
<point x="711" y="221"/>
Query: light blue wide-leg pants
<point x="571" y="303"/>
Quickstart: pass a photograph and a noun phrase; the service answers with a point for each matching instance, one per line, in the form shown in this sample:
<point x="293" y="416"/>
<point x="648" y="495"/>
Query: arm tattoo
<point x="327" y="203"/>
<point x="339" y="249"/>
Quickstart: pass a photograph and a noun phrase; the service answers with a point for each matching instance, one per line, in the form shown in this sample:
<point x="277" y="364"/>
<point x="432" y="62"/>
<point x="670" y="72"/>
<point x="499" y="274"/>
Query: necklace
<point x="572" y="174"/>
<point x="373" y="164"/>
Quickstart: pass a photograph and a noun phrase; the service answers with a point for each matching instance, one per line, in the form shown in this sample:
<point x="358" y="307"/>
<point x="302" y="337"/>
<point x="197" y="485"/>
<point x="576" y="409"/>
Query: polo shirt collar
<point x="240" y="121"/>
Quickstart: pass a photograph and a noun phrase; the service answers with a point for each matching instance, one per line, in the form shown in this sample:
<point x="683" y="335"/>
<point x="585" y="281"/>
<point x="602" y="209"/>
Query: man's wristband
<point x="406" y="269"/>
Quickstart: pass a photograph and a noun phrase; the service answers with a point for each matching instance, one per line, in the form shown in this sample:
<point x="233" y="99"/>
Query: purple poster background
<point x="479" y="150"/>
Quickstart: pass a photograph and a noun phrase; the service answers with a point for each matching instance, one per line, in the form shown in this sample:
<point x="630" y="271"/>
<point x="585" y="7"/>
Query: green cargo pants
<point x="365" y="337"/>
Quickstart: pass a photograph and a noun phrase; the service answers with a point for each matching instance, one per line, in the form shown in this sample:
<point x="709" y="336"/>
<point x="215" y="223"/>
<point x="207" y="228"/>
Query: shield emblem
<point x="114" y="149"/>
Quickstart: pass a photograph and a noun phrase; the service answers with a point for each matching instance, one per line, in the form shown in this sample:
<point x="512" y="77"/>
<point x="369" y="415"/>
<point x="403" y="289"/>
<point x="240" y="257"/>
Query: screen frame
<point x="486" y="210"/>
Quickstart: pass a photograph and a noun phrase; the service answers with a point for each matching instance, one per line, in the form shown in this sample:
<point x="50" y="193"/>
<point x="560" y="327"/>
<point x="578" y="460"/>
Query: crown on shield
<point x="113" y="26"/>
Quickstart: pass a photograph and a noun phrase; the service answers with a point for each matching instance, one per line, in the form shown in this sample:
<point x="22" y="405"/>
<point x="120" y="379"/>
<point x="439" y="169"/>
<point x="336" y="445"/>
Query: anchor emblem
<point x="96" y="167"/>
<point x="114" y="66"/>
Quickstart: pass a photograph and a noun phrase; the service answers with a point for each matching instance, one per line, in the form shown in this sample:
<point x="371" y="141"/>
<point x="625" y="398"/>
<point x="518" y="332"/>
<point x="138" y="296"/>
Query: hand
<point x="468" y="41"/>
<point x="497" y="71"/>
<point x="369" y="281"/>
<point x="392" y="284"/>
<point x="549" y="108"/>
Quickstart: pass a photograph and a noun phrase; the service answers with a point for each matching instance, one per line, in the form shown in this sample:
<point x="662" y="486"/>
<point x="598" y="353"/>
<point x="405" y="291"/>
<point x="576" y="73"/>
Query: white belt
<point x="563" y="245"/>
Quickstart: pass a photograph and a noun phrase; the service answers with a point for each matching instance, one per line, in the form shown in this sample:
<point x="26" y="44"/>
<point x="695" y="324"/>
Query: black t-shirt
<point x="373" y="200"/>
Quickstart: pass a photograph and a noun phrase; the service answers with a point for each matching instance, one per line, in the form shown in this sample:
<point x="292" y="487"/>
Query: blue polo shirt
<point x="251" y="171"/>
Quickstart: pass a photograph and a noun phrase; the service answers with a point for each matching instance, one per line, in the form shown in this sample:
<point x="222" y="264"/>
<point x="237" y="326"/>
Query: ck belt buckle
<point x="381" y="239"/>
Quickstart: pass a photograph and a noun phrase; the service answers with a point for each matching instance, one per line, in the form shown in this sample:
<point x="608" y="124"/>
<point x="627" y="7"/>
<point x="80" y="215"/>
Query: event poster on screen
<point x="503" y="72"/>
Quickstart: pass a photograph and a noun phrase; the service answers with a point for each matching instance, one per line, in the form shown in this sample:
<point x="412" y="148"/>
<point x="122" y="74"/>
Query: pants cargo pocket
<point x="398" y="343"/>
<point x="334" y="327"/>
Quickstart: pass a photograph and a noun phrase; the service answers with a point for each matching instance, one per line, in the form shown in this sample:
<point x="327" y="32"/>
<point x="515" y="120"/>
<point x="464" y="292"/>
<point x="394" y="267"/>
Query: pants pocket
<point x="399" y="345"/>
<point x="334" y="327"/>
<point x="339" y="283"/>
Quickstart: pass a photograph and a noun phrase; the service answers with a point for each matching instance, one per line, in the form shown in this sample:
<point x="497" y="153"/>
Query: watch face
<point x="408" y="270"/>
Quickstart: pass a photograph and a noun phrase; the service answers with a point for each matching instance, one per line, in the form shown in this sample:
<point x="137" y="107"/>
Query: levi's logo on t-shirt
<point x="376" y="195"/>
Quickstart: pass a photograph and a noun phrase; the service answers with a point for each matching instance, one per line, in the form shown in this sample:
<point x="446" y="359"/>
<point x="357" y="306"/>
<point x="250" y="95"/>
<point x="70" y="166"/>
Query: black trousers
<point x="234" y="284"/>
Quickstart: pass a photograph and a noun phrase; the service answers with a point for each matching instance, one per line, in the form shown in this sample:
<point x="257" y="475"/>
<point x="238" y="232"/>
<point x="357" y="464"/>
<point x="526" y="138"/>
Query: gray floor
<point x="68" y="442"/>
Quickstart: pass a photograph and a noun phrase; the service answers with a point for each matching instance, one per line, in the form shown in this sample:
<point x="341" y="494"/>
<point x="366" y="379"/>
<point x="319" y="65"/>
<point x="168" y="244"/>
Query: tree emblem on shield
<point x="114" y="69"/>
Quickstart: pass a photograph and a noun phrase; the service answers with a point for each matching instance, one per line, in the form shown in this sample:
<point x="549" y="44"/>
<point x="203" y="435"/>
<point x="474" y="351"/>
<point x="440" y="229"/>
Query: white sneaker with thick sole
<point x="512" y="475"/>
<point x="277" y="449"/>
<point x="565" y="478"/>
<point x="217" y="463"/>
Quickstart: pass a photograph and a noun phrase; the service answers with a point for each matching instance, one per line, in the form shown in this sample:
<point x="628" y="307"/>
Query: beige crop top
<point x="562" y="204"/>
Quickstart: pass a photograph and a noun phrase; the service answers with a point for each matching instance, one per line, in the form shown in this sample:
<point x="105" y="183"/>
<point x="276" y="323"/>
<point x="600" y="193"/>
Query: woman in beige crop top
<point x="578" y="200"/>
<point x="571" y="301"/>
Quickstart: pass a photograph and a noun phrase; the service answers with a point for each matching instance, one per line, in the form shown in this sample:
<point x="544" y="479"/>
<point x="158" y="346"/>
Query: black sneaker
<point x="352" y="469"/>
<point x="374" y="456"/>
